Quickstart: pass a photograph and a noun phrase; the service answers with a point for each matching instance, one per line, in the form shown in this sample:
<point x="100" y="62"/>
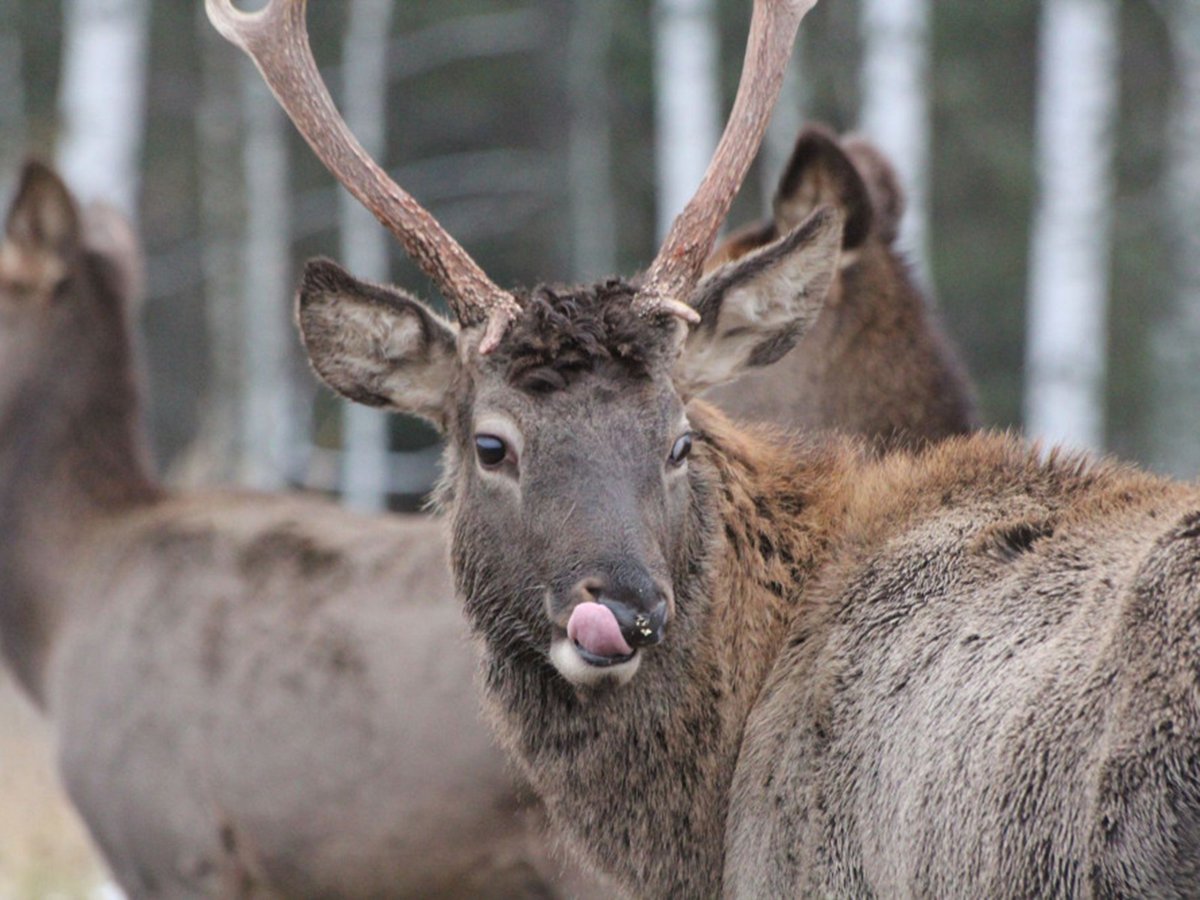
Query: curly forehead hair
<point x="562" y="331"/>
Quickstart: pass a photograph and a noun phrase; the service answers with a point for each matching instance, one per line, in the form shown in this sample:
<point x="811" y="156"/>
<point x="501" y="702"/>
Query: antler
<point x="276" y="38"/>
<point x="678" y="265"/>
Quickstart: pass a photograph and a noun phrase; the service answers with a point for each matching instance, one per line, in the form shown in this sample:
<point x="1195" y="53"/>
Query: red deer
<point x="440" y="723"/>
<point x="729" y="661"/>
<point x="252" y="695"/>
<point x="875" y="363"/>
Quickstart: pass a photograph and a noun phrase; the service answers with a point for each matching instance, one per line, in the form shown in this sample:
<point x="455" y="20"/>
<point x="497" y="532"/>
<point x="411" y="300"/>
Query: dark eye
<point x="681" y="449"/>
<point x="491" y="450"/>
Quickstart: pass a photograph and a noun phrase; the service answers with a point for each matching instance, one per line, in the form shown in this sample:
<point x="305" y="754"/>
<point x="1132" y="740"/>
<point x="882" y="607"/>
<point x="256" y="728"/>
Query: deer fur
<point x="252" y="695"/>
<point x="876" y="363"/>
<point x="784" y="665"/>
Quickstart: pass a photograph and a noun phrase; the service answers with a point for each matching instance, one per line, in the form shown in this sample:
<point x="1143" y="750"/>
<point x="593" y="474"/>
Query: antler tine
<point x="677" y="267"/>
<point x="276" y="39"/>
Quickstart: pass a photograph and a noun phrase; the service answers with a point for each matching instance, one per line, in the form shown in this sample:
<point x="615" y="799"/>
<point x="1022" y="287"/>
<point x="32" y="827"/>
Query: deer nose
<point x="640" y="606"/>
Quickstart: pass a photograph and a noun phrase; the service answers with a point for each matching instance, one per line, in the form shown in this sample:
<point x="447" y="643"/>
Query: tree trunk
<point x="1177" y="340"/>
<point x="1070" y="256"/>
<point x="268" y="431"/>
<point x="687" y="87"/>
<point x="589" y="151"/>
<point x="215" y="456"/>
<point x="364" y="462"/>
<point x="102" y="99"/>
<point x="895" y="107"/>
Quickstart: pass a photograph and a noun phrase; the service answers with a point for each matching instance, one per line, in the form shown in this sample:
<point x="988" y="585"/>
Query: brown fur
<point x="876" y="363"/>
<point x="962" y="672"/>
<point x="253" y="695"/>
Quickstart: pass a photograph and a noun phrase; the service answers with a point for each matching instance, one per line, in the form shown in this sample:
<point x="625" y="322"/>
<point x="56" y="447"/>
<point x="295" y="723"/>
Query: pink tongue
<point x="594" y="628"/>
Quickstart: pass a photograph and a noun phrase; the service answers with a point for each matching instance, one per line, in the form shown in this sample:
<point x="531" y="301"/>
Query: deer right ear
<point x="755" y="309"/>
<point x="883" y="185"/>
<point x="374" y="344"/>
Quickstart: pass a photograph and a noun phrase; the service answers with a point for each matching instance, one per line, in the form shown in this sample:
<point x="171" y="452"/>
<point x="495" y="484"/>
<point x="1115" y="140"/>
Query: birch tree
<point x="687" y="87"/>
<point x="102" y="98"/>
<point x="1070" y="256"/>
<point x="364" y="463"/>
<point x="895" y="107"/>
<point x="1177" y="342"/>
<point x="268" y="430"/>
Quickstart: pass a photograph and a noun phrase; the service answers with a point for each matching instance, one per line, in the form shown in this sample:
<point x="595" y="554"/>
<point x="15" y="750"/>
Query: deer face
<point x="564" y="409"/>
<point x="569" y="468"/>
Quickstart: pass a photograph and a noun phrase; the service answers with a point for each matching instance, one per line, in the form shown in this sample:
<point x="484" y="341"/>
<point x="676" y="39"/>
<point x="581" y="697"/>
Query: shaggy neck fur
<point x="71" y="450"/>
<point x="638" y="777"/>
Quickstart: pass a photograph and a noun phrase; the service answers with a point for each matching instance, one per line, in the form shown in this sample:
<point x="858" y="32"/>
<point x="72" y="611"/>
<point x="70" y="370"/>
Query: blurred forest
<point x="528" y="127"/>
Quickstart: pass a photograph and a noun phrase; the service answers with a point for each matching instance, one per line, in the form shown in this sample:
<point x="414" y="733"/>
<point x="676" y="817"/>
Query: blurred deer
<point x="875" y="363"/>
<point x="252" y="694"/>
<point x="735" y="663"/>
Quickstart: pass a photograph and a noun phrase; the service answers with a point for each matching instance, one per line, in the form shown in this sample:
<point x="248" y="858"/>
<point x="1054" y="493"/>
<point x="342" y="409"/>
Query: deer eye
<point x="491" y="450"/>
<point x="681" y="449"/>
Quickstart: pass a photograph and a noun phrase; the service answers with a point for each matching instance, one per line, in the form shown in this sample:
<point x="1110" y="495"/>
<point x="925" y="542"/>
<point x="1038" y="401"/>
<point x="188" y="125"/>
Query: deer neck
<point x="72" y="452"/>
<point x="638" y="777"/>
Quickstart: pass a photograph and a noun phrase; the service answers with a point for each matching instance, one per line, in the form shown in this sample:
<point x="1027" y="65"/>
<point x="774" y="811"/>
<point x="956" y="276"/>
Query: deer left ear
<point x="376" y="345"/>
<point x="755" y="309"/>
<point x="42" y="232"/>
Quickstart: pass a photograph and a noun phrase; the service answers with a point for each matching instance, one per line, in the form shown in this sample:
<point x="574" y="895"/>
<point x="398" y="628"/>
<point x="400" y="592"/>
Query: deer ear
<point x="741" y="242"/>
<point x="374" y="344"/>
<point x="883" y="185"/>
<point x="753" y="310"/>
<point x="820" y="173"/>
<point x="42" y="232"/>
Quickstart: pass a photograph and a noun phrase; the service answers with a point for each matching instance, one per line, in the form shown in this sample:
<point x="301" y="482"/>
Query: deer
<point x="252" y="695"/>
<point x="86" y="265"/>
<point x="736" y="662"/>
<point x="876" y="363"/>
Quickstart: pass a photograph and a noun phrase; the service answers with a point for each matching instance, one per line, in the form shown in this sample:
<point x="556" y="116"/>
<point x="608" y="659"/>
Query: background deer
<point x="252" y="695"/>
<point x="875" y="363"/>
<point x="731" y="662"/>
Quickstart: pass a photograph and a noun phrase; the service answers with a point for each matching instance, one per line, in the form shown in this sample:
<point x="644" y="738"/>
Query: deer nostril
<point x="593" y="588"/>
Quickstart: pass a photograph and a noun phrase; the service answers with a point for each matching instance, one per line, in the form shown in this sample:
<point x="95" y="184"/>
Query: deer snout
<point x="640" y="605"/>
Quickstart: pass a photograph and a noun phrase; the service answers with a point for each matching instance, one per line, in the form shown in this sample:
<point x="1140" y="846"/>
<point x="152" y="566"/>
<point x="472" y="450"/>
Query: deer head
<point x="58" y="267"/>
<point x="567" y="469"/>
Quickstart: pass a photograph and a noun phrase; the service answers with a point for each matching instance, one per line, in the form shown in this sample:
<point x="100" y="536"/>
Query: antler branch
<point x="276" y="38"/>
<point x="678" y="265"/>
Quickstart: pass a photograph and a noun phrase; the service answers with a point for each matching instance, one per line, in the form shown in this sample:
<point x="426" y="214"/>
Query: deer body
<point x="268" y="713"/>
